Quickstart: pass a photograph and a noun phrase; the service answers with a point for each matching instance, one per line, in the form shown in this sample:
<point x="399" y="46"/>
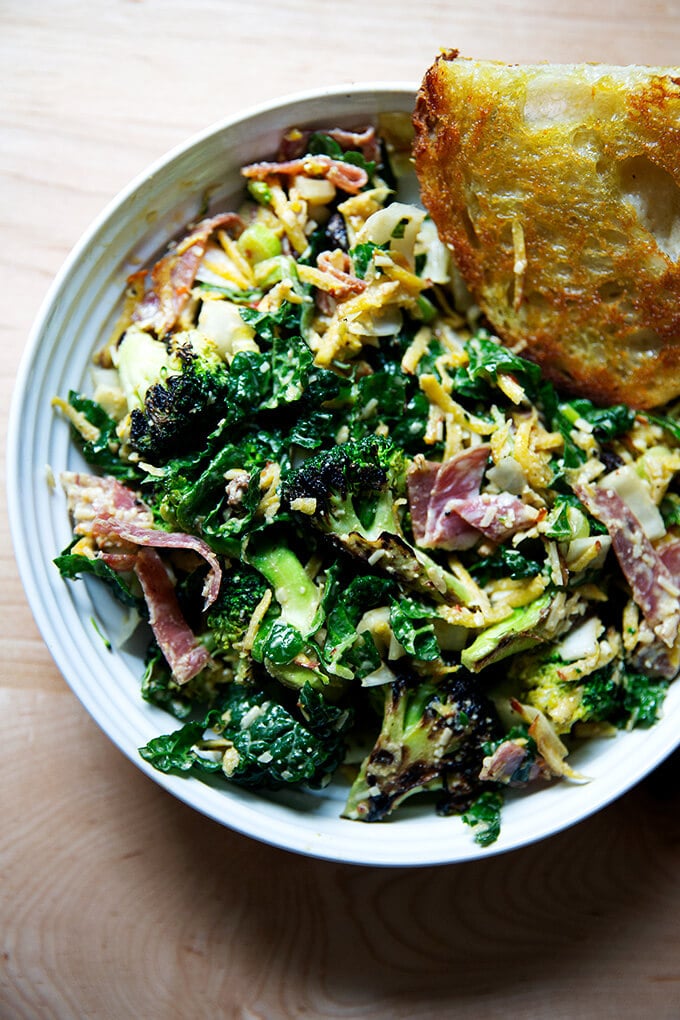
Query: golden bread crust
<point x="557" y="188"/>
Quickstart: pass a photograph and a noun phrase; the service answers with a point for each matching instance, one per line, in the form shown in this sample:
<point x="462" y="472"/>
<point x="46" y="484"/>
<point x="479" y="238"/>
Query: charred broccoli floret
<point x="432" y="738"/>
<point x="222" y="630"/>
<point x="301" y="630"/>
<point x="353" y="486"/>
<point x="265" y="612"/>
<point x="274" y="582"/>
<point x="182" y="407"/>
<point x="351" y="493"/>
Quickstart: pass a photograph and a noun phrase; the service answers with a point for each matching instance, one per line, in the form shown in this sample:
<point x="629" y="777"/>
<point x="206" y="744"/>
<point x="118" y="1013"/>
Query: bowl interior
<point x="78" y="313"/>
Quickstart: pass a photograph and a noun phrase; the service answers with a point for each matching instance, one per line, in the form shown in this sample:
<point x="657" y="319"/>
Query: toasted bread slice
<point x="558" y="189"/>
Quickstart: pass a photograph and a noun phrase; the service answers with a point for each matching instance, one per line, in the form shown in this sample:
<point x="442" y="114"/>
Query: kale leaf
<point x="413" y="626"/>
<point x="626" y="700"/>
<point x="606" y="422"/>
<point x="345" y="604"/>
<point x="103" y="451"/>
<point x="484" y="817"/>
<point x="177" y="751"/>
<point x="505" y="562"/>
<point x="323" y="145"/>
<point x="486" y="359"/>
<point x="362" y="256"/>
<point x="72" y="565"/>
<point x="263" y="746"/>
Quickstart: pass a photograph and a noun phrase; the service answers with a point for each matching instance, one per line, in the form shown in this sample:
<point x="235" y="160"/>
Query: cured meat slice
<point x="654" y="588"/>
<point x="109" y="527"/>
<point x="431" y="489"/>
<point x="497" y="516"/>
<point x="172" y="277"/>
<point x="346" y="176"/>
<point x="183" y="652"/>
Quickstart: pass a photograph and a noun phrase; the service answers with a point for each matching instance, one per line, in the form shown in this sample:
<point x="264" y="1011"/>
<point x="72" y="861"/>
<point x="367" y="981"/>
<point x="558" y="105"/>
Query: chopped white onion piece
<point x="316" y="191"/>
<point x="508" y="475"/>
<point x="437" y="255"/>
<point x="221" y="322"/>
<point x="382" y="675"/>
<point x="579" y="547"/>
<point x="626" y="482"/>
<point x="397" y="225"/>
<point x="581" y="641"/>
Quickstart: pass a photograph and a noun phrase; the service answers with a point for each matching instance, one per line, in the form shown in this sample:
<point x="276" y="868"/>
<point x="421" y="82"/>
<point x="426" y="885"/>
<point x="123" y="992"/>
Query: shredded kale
<point x="238" y="296"/>
<point x="484" y="817"/>
<point x="362" y="256"/>
<point x="256" y="742"/>
<point x="73" y="565"/>
<point x="103" y="451"/>
<point x="298" y="443"/>
<point x="505" y="562"/>
<point x="413" y="626"/>
<point x="627" y="700"/>
<point x="486" y="359"/>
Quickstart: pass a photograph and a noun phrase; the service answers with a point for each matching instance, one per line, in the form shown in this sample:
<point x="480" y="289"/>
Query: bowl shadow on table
<point x="320" y="932"/>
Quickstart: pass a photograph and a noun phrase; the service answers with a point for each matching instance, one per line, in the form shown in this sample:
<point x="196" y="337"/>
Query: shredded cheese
<point x="436" y="393"/>
<point x="416" y="349"/>
<point x="292" y="217"/>
<point x="255" y="621"/>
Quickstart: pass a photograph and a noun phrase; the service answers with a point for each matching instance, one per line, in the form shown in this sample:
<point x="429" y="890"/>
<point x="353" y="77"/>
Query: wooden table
<point x="115" y="900"/>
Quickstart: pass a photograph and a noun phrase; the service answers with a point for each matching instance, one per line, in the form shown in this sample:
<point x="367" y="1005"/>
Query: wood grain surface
<point x="117" y="901"/>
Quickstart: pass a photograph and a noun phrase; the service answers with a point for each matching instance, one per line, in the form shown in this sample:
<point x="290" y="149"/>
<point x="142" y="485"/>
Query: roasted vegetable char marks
<point x="371" y="542"/>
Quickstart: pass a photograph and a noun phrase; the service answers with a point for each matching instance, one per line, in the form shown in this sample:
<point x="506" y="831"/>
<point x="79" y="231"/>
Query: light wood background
<point x="116" y="901"/>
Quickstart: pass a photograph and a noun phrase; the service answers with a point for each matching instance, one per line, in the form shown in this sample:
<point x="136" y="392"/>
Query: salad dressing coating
<point x="370" y="541"/>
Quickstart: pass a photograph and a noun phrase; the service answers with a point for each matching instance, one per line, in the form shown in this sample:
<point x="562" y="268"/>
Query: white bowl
<point x="79" y="310"/>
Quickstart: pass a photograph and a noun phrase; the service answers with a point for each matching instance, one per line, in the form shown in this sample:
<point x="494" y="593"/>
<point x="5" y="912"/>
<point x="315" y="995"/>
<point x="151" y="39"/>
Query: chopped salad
<point x="368" y="541"/>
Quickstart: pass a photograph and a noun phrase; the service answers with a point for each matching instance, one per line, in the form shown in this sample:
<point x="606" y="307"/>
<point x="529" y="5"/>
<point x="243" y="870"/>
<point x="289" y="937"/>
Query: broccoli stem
<point x="432" y="737"/>
<point x="521" y="630"/>
<point x="294" y="589"/>
<point x="299" y="600"/>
